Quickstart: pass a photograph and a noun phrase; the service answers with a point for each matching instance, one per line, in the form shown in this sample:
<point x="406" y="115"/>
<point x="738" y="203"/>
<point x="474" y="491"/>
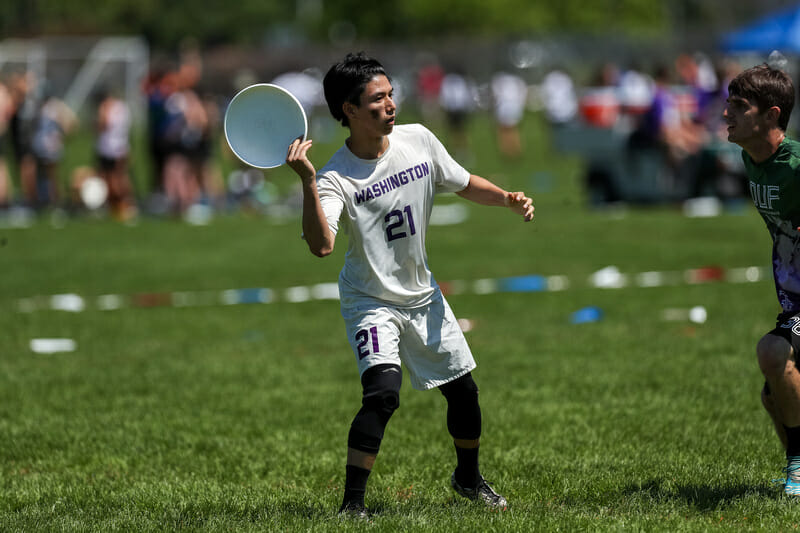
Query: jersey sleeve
<point x="331" y="200"/>
<point x="450" y="175"/>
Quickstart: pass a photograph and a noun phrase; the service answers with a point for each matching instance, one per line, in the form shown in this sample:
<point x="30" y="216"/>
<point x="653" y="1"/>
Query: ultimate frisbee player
<point x="379" y="189"/>
<point x="757" y="114"/>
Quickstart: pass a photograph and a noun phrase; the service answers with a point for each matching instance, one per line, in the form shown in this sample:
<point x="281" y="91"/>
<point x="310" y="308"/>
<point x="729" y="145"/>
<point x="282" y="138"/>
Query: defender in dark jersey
<point x="759" y="105"/>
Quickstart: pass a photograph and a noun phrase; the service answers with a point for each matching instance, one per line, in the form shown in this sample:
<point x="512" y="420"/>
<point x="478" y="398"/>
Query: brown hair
<point x="766" y="87"/>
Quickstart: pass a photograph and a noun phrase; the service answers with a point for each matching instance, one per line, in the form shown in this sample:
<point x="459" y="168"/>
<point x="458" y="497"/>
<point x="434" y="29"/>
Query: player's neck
<point x="761" y="149"/>
<point x="367" y="147"/>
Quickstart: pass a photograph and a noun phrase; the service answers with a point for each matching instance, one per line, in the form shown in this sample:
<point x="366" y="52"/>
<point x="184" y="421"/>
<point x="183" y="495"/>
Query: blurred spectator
<point x="558" y="97"/>
<point x="606" y="76"/>
<point x="53" y="122"/>
<point x="665" y="126"/>
<point x="304" y="86"/>
<point x="697" y="73"/>
<point x="429" y="85"/>
<point x="599" y="103"/>
<point x="458" y="98"/>
<point x="112" y="148"/>
<point x="6" y="110"/>
<point x="22" y="87"/>
<point x="720" y="169"/>
<point x="206" y="167"/>
<point x="656" y="139"/>
<point x="509" y="98"/>
<point x="186" y="134"/>
<point x="636" y="91"/>
<point x="160" y="84"/>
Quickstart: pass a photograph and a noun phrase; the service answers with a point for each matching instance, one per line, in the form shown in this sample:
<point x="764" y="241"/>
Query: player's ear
<point x="348" y="109"/>
<point x="774" y="113"/>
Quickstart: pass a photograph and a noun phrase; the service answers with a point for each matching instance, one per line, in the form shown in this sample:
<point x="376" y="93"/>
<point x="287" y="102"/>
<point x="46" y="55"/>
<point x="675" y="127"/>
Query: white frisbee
<point x="261" y="122"/>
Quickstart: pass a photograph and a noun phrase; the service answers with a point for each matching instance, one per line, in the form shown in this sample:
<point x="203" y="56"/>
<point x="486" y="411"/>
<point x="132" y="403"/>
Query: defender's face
<point x="745" y="121"/>
<point x="376" y="109"/>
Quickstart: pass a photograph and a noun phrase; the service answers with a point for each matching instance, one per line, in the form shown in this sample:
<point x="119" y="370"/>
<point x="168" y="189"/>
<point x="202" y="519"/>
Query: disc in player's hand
<point x="261" y="122"/>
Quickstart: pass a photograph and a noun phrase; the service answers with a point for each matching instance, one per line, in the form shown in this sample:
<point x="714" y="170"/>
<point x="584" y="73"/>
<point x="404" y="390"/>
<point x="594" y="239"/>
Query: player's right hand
<point x="297" y="159"/>
<point x="520" y="204"/>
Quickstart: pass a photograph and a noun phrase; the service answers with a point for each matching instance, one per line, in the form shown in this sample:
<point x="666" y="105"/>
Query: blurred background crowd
<point x="132" y="125"/>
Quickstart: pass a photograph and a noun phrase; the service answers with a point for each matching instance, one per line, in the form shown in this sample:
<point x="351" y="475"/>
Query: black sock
<point x="355" y="486"/>
<point x="792" y="441"/>
<point x="467" y="473"/>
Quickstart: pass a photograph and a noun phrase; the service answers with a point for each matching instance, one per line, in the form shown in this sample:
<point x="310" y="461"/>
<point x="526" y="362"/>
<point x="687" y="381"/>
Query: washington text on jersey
<point x="394" y="181"/>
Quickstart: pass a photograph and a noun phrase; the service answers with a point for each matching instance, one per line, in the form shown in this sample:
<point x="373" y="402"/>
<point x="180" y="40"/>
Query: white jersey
<point x="384" y="205"/>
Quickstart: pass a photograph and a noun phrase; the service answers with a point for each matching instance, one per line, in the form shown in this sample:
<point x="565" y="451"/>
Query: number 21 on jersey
<point x="397" y="221"/>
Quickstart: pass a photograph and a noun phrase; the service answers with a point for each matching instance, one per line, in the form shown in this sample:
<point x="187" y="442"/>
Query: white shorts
<point x="427" y="340"/>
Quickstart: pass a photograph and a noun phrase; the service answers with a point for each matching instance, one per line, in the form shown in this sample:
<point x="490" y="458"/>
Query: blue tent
<point x="777" y="31"/>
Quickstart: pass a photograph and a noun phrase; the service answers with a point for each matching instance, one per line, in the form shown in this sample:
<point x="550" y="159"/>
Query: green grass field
<point x="234" y="417"/>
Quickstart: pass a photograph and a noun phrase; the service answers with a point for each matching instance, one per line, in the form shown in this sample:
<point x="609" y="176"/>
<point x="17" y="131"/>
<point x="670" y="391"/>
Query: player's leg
<point x="381" y="397"/>
<point x="769" y="405"/>
<point x="373" y="332"/>
<point x="436" y="354"/>
<point x="776" y="359"/>
<point x="777" y="363"/>
<point x="464" y="425"/>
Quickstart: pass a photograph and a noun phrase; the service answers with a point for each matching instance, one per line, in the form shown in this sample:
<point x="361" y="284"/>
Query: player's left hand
<point x="520" y="204"/>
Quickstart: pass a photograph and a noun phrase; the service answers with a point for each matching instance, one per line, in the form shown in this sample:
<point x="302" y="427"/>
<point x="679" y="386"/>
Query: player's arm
<point x="484" y="192"/>
<point x="316" y="231"/>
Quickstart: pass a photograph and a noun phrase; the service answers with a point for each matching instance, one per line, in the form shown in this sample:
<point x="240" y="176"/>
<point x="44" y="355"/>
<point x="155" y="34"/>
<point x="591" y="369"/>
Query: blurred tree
<point x="248" y="21"/>
<point x="163" y="23"/>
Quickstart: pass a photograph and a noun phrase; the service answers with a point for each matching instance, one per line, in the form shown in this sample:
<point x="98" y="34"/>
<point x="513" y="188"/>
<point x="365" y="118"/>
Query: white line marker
<point x="48" y="346"/>
<point x="67" y="302"/>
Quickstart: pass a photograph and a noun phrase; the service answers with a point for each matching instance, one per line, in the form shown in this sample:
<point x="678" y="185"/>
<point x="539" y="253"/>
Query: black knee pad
<point x="381" y="397"/>
<point x="463" y="387"/>
<point x="463" y="409"/>
<point x="381" y="386"/>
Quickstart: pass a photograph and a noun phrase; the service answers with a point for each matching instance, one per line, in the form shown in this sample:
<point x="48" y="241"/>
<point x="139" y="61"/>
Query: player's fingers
<point x="527" y="209"/>
<point x="297" y="150"/>
<point x="292" y="149"/>
<point x="519" y="200"/>
<point x="303" y="148"/>
<point x="520" y="197"/>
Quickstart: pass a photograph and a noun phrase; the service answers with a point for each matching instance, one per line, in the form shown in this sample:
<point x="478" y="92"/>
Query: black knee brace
<point x="463" y="410"/>
<point x="381" y="396"/>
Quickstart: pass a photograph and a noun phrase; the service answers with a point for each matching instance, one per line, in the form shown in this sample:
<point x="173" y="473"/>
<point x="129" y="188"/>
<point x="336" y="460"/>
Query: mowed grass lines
<point x="235" y="418"/>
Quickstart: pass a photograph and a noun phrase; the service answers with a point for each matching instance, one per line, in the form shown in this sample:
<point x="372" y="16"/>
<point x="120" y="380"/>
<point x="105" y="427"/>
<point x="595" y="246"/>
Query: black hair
<point x="766" y="87"/>
<point x="346" y="80"/>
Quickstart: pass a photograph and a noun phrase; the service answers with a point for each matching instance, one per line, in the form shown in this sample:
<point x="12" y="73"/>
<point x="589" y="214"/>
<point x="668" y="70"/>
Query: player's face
<point x="745" y="121"/>
<point x="376" y="110"/>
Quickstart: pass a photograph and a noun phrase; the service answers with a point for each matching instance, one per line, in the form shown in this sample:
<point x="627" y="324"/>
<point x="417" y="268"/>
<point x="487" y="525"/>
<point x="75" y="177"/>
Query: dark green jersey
<point x="775" y="188"/>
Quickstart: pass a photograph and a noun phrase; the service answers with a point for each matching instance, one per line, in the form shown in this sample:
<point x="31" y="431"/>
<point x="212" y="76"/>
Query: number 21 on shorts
<point x="363" y="337"/>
